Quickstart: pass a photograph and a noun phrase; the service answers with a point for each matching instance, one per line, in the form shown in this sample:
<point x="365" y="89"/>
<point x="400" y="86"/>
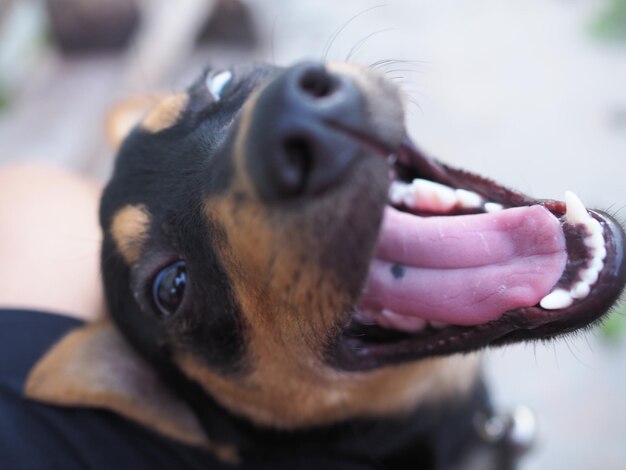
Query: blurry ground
<point x="520" y="90"/>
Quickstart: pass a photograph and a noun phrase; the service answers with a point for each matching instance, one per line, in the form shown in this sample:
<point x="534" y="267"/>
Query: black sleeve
<point x="37" y="436"/>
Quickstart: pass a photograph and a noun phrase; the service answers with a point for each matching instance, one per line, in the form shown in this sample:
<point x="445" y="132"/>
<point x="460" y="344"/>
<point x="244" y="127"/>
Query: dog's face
<point x="273" y="234"/>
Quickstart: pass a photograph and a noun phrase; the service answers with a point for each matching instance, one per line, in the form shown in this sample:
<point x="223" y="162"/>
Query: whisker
<point x="386" y="62"/>
<point x="339" y="30"/>
<point x="556" y="356"/>
<point x="379" y="63"/>
<point x="409" y="90"/>
<point x="385" y="72"/>
<point x="580" y="361"/>
<point x="357" y="47"/>
<point x="273" y="40"/>
<point x="415" y="103"/>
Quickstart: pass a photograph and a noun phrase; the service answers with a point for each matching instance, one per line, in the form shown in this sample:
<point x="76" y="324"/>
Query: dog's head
<point x="274" y="235"/>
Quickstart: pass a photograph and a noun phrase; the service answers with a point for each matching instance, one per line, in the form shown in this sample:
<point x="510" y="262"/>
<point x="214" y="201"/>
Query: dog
<point x="291" y="281"/>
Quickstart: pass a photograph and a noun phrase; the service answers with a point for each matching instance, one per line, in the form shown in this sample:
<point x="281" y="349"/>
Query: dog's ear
<point x="94" y="367"/>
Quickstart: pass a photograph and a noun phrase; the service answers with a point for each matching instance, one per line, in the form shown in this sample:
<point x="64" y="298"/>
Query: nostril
<point x="317" y="83"/>
<point x="297" y="164"/>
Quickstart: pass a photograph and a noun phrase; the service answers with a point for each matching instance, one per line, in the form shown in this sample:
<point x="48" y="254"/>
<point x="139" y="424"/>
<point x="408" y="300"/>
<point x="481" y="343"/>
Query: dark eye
<point x="217" y="83"/>
<point x="168" y="289"/>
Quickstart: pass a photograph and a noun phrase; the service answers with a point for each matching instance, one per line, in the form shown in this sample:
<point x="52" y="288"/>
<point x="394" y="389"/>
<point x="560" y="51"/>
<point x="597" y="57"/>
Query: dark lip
<point x="363" y="347"/>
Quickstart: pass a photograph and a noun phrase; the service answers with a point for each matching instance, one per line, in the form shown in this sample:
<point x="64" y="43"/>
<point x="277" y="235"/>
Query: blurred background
<point x="529" y="92"/>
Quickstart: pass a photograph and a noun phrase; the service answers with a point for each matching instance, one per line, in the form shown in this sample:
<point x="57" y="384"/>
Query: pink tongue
<point x="465" y="270"/>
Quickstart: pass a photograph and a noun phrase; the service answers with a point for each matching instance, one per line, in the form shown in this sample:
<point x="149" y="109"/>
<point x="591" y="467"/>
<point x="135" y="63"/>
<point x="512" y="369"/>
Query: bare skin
<point x="49" y="241"/>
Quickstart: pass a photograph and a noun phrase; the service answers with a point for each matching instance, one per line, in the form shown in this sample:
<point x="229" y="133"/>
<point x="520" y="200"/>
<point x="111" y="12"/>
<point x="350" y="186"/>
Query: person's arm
<point x="49" y="241"/>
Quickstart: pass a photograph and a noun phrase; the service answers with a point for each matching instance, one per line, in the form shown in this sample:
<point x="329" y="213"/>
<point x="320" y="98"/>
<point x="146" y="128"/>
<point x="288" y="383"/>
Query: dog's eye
<point x="217" y="83"/>
<point x="169" y="288"/>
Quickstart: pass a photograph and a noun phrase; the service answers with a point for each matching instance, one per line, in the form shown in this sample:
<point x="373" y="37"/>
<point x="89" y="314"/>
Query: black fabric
<point x="37" y="436"/>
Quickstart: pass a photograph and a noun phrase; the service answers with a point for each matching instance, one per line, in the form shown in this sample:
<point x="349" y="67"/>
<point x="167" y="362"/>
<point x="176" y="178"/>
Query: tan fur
<point x="166" y="114"/>
<point x="94" y="367"/>
<point x="242" y="181"/>
<point x="284" y="392"/>
<point x="129" y="230"/>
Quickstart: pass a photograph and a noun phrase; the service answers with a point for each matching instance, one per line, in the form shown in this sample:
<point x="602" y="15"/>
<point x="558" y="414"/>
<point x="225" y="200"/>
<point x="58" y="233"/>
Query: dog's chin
<point x="463" y="263"/>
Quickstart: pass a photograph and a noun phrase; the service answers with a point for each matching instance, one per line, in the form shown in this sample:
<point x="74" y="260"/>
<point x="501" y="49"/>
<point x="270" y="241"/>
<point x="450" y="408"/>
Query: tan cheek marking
<point x="166" y="114"/>
<point x="276" y="283"/>
<point x="129" y="230"/>
<point x="293" y="398"/>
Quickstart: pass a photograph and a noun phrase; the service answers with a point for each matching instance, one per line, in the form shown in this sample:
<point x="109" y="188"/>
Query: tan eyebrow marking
<point x="129" y="230"/>
<point x="166" y="113"/>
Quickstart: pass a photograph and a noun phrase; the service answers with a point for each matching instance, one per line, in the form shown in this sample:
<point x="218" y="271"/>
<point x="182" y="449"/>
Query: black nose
<point x="294" y="146"/>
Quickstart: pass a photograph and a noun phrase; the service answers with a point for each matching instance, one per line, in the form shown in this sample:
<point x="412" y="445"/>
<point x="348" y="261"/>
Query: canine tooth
<point x="397" y="192"/>
<point x="493" y="207"/>
<point x="580" y="290"/>
<point x="429" y="195"/>
<point x="468" y="199"/>
<point x="576" y="212"/>
<point x="556" y="300"/>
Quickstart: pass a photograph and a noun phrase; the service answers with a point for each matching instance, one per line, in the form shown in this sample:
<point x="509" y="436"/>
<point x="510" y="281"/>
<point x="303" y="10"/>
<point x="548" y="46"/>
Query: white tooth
<point x="590" y="276"/>
<point x="493" y="207"/>
<point x="366" y="316"/>
<point x="409" y="200"/>
<point x="438" y="324"/>
<point x="432" y="196"/>
<point x="469" y="199"/>
<point x="576" y="212"/>
<point x="596" y="263"/>
<point x="599" y="254"/>
<point x="389" y="319"/>
<point x="556" y="300"/>
<point x="397" y="191"/>
<point x="595" y="240"/>
<point x="580" y="290"/>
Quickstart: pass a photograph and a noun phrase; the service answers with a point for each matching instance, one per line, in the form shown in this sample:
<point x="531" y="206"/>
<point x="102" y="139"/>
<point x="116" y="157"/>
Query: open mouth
<point x="463" y="262"/>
